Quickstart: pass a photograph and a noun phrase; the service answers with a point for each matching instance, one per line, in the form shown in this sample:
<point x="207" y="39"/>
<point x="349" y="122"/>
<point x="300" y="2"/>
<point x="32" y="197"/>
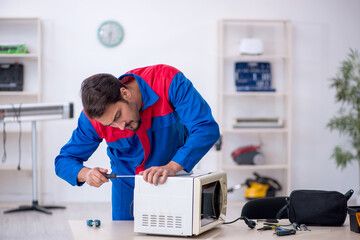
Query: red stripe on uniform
<point x="159" y="78"/>
<point x="110" y="134"/>
<point x="144" y="138"/>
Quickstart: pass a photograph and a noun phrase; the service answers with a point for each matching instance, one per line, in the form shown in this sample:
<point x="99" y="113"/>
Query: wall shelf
<point x="19" y="93"/>
<point x="25" y="55"/>
<point x="28" y="32"/>
<point x="254" y="130"/>
<point x="255" y="58"/>
<point x="275" y="142"/>
<point x="254" y="167"/>
<point x="253" y="94"/>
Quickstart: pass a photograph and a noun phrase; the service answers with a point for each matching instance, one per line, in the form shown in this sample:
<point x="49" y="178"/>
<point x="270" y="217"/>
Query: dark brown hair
<point x="98" y="91"/>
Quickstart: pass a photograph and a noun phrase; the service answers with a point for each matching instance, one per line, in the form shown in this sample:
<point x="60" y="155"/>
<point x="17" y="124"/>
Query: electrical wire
<point x="17" y="117"/>
<point x="131" y="208"/>
<point x="20" y="134"/>
<point x="233" y="221"/>
<point x="251" y="224"/>
<point x="3" y="159"/>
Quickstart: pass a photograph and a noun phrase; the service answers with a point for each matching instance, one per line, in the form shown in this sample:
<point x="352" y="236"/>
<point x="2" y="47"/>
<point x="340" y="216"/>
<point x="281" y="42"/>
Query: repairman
<point x="154" y="122"/>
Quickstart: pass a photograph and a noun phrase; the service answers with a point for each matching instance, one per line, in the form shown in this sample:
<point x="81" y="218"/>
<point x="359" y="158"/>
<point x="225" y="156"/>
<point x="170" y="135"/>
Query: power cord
<point x="20" y="134"/>
<point x="251" y="224"/>
<point x="17" y="117"/>
<point x="3" y="159"/>
<point x="131" y="208"/>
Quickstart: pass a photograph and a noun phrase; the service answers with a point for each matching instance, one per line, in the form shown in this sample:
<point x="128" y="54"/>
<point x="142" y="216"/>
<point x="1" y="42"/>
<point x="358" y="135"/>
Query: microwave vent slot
<point x="161" y="221"/>
<point x="145" y="220"/>
<point x="153" y="221"/>
<point x="170" y="222"/>
<point x="178" y="222"/>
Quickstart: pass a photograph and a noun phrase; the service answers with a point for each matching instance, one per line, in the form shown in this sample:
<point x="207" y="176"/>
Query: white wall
<point x="184" y="34"/>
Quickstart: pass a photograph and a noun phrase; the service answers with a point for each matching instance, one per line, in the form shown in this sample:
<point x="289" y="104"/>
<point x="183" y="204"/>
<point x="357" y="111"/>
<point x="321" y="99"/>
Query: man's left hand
<point x="152" y="175"/>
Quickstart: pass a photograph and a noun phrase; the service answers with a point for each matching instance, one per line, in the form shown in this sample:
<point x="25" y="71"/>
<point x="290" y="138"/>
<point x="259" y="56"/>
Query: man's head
<point x="107" y="100"/>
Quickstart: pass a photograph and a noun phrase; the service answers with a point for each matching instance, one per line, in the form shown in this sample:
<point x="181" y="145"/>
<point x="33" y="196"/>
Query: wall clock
<point x="110" y="33"/>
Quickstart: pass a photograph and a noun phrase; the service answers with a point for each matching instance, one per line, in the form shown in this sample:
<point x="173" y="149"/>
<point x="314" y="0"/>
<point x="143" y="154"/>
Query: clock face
<point x="110" y="33"/>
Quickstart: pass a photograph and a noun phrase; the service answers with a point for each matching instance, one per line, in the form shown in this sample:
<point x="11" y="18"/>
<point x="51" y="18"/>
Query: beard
<point x="133" y="125"/>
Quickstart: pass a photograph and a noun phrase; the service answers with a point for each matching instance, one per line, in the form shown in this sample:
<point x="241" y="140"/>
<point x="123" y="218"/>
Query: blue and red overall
<point x="177" y="125"/>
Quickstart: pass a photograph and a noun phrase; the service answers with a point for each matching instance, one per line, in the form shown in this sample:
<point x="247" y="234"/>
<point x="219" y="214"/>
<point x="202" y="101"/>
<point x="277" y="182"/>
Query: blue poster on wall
<point x="253" y="76"/>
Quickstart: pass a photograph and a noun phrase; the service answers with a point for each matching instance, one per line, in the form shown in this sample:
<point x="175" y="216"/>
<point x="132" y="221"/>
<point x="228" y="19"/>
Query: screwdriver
<point x="266" y="227"/>
<point x="284" y="231"/>
<point x="114" y="176"/>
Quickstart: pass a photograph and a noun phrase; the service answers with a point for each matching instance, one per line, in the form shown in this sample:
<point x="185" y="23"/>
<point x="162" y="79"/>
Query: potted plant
<point x="347" y="122"/>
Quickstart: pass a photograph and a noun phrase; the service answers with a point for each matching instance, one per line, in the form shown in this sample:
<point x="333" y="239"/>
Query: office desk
<point x="125" y="230"/>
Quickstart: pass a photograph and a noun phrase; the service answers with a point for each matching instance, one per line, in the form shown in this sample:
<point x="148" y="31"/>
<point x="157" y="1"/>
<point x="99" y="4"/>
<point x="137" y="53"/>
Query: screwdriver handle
<point x="109" y="176"/>
<point x="284" y="231"/>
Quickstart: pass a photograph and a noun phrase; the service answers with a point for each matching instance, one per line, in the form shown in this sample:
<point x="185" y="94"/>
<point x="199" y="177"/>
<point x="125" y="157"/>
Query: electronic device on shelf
<point x="184" y="205"/>
<point x="11" y="77"/>
<point x="251" y="46"/>
<point x="12" y="48"/>
<point x="248" y="155"/>
<point x="253" y="76"/>
<point x="258" y="122"/>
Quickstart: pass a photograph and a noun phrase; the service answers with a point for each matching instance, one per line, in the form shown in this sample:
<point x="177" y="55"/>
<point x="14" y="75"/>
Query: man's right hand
<point x="93" y="176"/>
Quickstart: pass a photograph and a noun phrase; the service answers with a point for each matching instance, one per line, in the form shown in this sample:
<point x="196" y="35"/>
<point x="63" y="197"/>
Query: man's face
<point x="123" y="115"/>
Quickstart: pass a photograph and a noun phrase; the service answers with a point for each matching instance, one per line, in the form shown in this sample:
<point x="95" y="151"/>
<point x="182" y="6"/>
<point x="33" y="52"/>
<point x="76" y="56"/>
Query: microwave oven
<point x="185" y="205"/>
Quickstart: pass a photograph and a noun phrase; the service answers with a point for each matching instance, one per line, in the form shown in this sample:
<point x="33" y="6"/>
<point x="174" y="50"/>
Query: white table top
<point x="125" y="230"/>
<point x="110" y="230"/>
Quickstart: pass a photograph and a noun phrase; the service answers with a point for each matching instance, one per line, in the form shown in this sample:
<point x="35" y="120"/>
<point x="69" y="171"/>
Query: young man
<point x="154" y="122"/>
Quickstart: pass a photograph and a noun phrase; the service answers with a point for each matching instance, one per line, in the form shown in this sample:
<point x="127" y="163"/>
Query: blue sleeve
<point x="82" y="144"/>
<point x="195" y="114"/>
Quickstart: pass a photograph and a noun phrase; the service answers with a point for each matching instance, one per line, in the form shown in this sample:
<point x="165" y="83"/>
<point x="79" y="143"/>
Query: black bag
<point x="317" y="207"/>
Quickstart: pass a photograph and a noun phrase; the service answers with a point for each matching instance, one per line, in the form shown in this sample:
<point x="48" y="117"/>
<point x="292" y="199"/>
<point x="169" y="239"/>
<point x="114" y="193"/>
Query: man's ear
<point x="125" y="93"/>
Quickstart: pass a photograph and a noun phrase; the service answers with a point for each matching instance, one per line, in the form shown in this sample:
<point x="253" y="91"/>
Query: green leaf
<point x="346" y="125"/>
<point x="347" y="86"/>
<point x="342" y="157"/>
